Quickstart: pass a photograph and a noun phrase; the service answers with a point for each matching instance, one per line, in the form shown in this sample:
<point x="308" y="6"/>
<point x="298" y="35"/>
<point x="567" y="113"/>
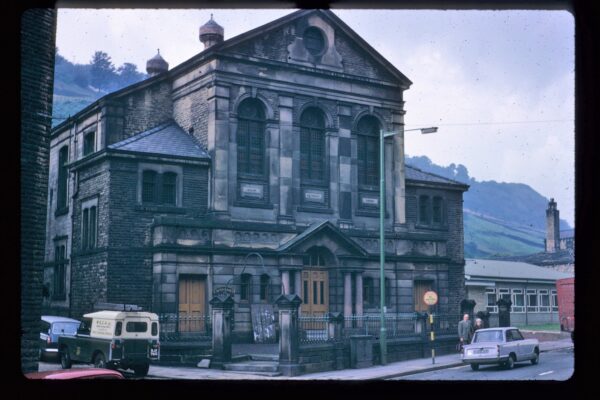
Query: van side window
<point x="84" y="328"/>
<point x="154" y="329"/>
<point x="118" y="328"/>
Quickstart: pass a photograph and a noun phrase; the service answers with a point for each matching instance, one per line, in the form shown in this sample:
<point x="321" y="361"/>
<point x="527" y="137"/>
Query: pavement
<point x="377" y="372"/>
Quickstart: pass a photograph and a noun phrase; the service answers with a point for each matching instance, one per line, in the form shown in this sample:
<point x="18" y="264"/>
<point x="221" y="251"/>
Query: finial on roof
<point x="211" y="33"/>
<point x="156" y="64"/>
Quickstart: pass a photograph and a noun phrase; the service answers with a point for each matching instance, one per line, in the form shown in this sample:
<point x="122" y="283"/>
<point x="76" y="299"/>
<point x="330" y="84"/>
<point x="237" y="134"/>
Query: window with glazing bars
<point x="312" y="146"/>
<point x="437" y="210"/>
<point x="59" y="272"/>
<point x="169" y="180"/>
<point x="89" y="142"/>
<point x="264" y="287"/>
<point x="368" y="151"/>
<point x="245" y="281"/>
<point x="61" y="195"/>
<point x="424" y="210"/>
<point x="149" y="186"/>
<point x="89" y="227"/>
<point x="251" y="139"/>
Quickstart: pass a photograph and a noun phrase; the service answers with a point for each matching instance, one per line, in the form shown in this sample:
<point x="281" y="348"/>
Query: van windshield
<point x="66" y="328"/>
<point x="488" y="336"/>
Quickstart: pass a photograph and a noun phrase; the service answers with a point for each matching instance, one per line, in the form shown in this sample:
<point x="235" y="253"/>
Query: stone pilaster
<point x="298" y="283"/>
<point x="218" y="147"/>
<point x="222" y="313"/>
<point x="347" y="294"/>
<point x="398" y="170"/>
<point x="286" y="149"/>
<point x="285" y="282"/>
<point x="358" y="305"/>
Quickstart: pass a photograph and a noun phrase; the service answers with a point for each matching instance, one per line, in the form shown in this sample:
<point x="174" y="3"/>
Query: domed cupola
<point x="156" y="65"/>
<point x="211" y="33"/>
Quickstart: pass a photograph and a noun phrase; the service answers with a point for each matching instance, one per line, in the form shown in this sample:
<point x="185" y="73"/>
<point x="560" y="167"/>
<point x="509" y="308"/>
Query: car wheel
<point x="475" y="367"/>
<point x="65" y="358"/>
<point x="141" y="369"/>
<point x="100" y="361"/>
<point x="536" y="358"/>
<point x="510" y="363"/>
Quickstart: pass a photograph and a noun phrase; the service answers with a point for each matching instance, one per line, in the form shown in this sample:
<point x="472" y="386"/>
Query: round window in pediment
<point x="314" y="41"/>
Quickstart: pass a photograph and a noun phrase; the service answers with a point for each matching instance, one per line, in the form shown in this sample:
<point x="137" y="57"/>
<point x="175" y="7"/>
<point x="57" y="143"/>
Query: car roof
<point x="502" y="328"/>
<point x="75" y="373"/>
<point x="55" y="318"/>
<point x="121" y="315"/>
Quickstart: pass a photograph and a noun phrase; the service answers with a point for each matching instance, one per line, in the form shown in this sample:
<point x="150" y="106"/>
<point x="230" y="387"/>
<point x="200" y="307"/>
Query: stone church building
<point x="254" y="166"/>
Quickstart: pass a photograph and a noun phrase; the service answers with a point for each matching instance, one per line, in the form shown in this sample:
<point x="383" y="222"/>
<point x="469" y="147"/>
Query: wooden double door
<point x="315" y="292"/>
<point x="192" y="303"/>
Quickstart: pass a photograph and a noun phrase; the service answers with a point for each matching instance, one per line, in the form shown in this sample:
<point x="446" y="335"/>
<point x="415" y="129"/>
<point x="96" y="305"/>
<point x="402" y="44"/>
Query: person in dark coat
<point x="465" y="330"/>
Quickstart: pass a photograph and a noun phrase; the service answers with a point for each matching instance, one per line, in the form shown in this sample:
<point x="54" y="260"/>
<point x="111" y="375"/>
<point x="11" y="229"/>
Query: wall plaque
<point x="315" y="196"/>
<point x="251" y="191"/>
<point x="370" y="201"/>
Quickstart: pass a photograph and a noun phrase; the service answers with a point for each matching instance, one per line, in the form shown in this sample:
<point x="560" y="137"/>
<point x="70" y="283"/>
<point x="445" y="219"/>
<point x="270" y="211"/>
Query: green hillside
<point x="485" y="237"/>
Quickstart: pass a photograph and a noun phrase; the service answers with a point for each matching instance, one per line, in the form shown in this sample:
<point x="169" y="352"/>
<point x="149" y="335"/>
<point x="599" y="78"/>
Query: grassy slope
<point x="486" y="237"/>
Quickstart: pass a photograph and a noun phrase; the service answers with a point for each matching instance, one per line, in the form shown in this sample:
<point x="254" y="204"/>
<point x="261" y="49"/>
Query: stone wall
<point x="38" y="30"/>
<point x="146" y="108"/>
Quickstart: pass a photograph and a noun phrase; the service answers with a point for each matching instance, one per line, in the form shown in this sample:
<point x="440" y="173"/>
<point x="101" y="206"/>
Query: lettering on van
<point x="102" y="327"/>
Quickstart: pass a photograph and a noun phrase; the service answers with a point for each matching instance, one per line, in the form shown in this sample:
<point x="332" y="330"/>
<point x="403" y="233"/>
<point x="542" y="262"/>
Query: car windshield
<point x="67" y="328"/>
<point x="488" y="336"/>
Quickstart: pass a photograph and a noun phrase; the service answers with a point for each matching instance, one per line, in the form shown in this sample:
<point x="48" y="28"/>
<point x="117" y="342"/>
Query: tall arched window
<point x="251" y="139"/>
<point x="368" y="151"/>
<point x="312" y="146"/>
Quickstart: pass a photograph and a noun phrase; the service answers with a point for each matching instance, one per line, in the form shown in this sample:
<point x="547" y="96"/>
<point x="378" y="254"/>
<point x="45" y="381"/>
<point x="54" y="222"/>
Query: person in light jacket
<point x="465" y="330"/>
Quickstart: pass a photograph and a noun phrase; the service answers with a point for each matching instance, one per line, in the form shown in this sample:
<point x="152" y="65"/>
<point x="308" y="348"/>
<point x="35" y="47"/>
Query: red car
<point x="76" y="373"/>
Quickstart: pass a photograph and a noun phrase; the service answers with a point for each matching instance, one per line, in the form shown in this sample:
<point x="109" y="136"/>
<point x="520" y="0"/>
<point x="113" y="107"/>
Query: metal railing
<point x="396" y="325"/>
<point x="177" y="327"/>
<point x="446" y="323"/>
<point x="314" y="329"/>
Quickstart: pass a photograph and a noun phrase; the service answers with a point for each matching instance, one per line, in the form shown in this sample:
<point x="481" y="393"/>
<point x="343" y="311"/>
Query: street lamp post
<point x="382" y="330"/>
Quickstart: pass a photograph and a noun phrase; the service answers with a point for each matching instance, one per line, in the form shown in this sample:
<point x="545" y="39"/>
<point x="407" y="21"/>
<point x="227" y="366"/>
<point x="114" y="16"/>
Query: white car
<point x="503" y="346"/>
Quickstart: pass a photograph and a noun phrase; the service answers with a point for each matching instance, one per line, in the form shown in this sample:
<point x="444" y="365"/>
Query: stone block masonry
<point x="38" y="32"/>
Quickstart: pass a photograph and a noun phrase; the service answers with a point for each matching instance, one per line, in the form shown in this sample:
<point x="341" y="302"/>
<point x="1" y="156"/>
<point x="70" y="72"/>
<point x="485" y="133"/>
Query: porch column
<point x="358" y="306"/>
<point x="347" y="294"/>
<point x="298" y="283"/>
<point x="285" y="281"/>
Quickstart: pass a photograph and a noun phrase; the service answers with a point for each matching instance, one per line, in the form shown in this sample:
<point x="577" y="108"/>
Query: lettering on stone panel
<point x="252" y="191"/>
<point x="255" y="237"/>
<point x="314" y="196"/>
<point x="192" y="236"/>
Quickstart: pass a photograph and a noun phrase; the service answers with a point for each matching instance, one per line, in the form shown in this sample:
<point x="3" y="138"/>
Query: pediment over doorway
<point x="323" y="234"/>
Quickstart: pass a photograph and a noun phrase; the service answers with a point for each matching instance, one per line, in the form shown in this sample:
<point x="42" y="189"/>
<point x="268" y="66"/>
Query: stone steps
<point x="271" y="368"/>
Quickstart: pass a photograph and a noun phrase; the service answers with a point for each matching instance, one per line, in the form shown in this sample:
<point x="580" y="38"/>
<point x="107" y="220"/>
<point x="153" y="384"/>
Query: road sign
<point x="430" y="298"/>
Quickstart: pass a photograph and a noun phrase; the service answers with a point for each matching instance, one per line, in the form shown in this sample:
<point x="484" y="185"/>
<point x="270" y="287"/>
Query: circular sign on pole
<point x="430" y="298"/>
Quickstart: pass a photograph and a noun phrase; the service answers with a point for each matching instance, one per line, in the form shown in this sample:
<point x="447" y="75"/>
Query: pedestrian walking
<point x="465" y="330"/>
<point x="478" y="325"/>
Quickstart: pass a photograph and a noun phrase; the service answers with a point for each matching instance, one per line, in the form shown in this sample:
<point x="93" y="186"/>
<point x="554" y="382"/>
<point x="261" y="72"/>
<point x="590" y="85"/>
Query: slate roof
<point x="512" y="270"/>
<point x="165" y="139"/>
<point x="415" y="174"/>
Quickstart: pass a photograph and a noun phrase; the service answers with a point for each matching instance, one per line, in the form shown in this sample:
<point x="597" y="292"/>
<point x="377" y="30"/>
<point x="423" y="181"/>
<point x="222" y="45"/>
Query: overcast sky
<point x="498" y="84"/>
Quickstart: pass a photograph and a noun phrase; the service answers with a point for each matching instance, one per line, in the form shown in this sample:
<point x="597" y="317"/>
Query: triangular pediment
<point x="323" y="234"/>
<point x="286" y="40"/>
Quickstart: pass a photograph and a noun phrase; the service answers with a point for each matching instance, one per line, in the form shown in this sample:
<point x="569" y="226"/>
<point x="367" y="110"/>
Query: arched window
<point x="251" y="139"/>
<point x="312" y="146"/>
<point x="63" y="175"/>
<point x="368" y="151"/>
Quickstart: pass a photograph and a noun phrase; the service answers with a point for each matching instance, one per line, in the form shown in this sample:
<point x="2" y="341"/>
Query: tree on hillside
<point x="102" y="70"/>
<point x="128" y="74"/>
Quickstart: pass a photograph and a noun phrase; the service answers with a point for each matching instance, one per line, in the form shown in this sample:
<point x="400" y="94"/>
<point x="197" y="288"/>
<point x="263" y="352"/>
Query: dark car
<point x="52" y="328"/>
<point x="77" y="373"/>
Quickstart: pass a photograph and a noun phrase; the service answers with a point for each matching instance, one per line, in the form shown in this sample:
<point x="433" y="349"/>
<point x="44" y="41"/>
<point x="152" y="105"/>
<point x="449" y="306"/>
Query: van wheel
<point x="475" y="367"/>
<point x="65" y="358"/>
<point x="536" y="358"/>
<point x="510" y="363"/>
<point x="141" y="369"/>
<point x="99" y="361"/>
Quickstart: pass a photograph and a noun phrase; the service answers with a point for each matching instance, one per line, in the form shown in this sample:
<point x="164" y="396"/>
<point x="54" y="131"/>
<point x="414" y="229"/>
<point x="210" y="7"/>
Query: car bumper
<point x="485" y="360"/>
